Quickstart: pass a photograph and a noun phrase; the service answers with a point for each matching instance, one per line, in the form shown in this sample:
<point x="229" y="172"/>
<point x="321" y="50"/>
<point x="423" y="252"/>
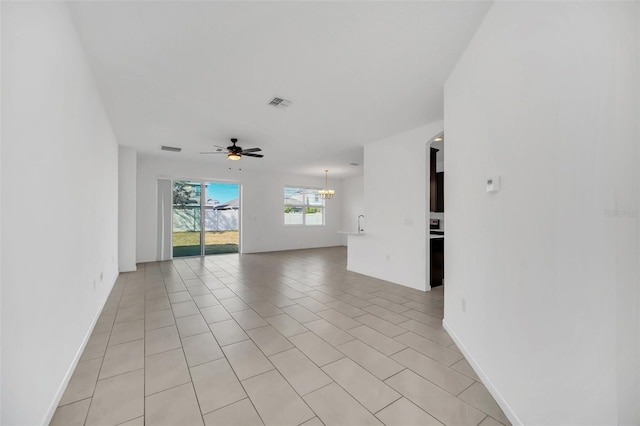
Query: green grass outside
<point x="216" y="242"/>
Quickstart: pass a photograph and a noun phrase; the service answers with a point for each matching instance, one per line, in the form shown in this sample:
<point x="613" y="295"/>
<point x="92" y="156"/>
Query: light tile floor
<point x="285" y="338"/>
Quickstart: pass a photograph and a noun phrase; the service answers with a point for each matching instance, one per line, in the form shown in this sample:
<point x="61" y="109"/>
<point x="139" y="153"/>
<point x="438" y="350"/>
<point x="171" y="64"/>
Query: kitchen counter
<point x="436" y="233"/>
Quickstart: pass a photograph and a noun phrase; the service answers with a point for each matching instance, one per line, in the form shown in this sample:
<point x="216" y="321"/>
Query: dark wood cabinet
<point x="437" y="261"/>
<point x="432" y="181"/>
<point x="436" y="185"/>
<point x="440" y="192"/>
<point x="436" y="204"/>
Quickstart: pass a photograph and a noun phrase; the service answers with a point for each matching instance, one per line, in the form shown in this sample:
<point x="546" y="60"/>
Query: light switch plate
<point x="493" y="184"/>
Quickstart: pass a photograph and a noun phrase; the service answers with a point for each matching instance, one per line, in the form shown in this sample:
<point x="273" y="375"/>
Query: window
<point x="303" y="206"/>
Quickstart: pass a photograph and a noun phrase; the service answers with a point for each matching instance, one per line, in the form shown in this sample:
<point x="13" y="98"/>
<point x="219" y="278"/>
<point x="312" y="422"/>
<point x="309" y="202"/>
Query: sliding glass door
<point x="222" y="218"/>
<point x="187" y="218"/>
<point x="206" y="218"/>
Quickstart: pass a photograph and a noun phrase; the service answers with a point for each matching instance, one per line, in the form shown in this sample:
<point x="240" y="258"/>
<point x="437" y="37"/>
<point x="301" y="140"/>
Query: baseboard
<point x="275" y="250"/>
<point x="380" y="277"/>
<point x="128" y="268"/>
<point x="76" y="359"/>
<point x="508" y="411"/>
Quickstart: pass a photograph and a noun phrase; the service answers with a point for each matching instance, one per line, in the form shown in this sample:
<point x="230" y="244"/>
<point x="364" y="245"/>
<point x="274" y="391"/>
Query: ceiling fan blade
<point x="251" y="150"/>
<point x="221" y="147"/>
<point x="252" y="155"/>
<point x="213" y="152"/>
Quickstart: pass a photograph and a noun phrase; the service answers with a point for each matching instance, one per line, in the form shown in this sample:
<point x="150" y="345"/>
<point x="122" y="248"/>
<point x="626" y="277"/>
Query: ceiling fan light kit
<point x="325" y="193"/>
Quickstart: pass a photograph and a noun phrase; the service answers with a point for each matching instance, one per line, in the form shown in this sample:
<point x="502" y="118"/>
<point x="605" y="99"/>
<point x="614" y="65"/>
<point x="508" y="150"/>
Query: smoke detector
<point x="280" y="103"/>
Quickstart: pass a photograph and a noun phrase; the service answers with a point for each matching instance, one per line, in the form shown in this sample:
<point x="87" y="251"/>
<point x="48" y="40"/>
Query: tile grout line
<point x="185" y="361"/>
<point x="281" y="285"/>
<point x="357" y="400"/>
<point x="392" y="402"/>
<point x="105" y="350"/>
<point x="229" y="363"/>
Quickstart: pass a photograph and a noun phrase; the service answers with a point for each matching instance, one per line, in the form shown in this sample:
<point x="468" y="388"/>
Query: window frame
<point x="304" y="205"/>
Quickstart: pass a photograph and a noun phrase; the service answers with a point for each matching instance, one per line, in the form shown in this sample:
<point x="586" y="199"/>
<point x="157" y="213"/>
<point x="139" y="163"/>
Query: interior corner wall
<point x="261" y="208"/>
<point x="638" y="194"/>
<point x="396" y="194"/>
<point x="127" y="183"/>
<point x="545" y="96"/>
<point x="625" y="151"/>
<point x="59" y="207"/>
<point x="352" y="205"/>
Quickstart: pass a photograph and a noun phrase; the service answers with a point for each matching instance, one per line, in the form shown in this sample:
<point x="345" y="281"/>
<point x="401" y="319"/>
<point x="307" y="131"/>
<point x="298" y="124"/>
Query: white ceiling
<point x="194" y="74"/>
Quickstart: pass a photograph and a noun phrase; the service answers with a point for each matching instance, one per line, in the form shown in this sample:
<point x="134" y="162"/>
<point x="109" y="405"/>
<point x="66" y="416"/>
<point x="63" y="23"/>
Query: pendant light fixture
<point x="326" y="193"/>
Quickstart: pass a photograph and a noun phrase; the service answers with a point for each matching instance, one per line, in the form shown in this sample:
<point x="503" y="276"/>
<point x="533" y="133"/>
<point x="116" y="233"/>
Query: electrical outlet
<point x="463" y="303"/>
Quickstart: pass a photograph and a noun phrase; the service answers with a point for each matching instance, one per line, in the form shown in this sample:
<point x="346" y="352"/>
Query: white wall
<point x="1" y="135"/>
<point x="352" y="205"/>
<point x="127" y="164"/>
<point x="546" y="96"/>
<point x="262" y="215"/>
<point x="396" y="194"/>
<point x="58" y="153"/>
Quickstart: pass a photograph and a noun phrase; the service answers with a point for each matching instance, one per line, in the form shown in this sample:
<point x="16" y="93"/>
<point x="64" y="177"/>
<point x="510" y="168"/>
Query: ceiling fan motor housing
<point x="233" y="148"/>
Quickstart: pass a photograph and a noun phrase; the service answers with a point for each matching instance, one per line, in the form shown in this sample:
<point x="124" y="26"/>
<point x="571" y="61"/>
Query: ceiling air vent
<point x="280" y="103"/>
<point x="171" y="148"/>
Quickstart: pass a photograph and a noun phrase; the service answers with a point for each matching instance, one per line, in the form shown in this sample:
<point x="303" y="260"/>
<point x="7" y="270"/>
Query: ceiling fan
<point x="235" y="152"/>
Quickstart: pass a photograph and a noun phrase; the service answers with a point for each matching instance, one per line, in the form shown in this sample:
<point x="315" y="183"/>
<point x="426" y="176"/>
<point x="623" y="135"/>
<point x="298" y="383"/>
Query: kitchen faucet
<point x="360" y="229"/>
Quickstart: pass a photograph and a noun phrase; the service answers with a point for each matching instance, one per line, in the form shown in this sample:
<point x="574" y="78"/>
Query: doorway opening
<point x="206" y="218"/>
<point x="435" y="247"/>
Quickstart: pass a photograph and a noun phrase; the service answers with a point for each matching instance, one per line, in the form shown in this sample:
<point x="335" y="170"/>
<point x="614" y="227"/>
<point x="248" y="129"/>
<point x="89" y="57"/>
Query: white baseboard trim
<point x="128" y="268"/>
<point x="508" y="411"/>
<point x="76" y="359"/>
<point x="380" y="277"/>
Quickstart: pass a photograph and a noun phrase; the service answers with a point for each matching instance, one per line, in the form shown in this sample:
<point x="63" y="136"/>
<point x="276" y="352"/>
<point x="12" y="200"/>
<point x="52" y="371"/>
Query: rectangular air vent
<point x="280" y="103"/>
<point x="171" y="148"/>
